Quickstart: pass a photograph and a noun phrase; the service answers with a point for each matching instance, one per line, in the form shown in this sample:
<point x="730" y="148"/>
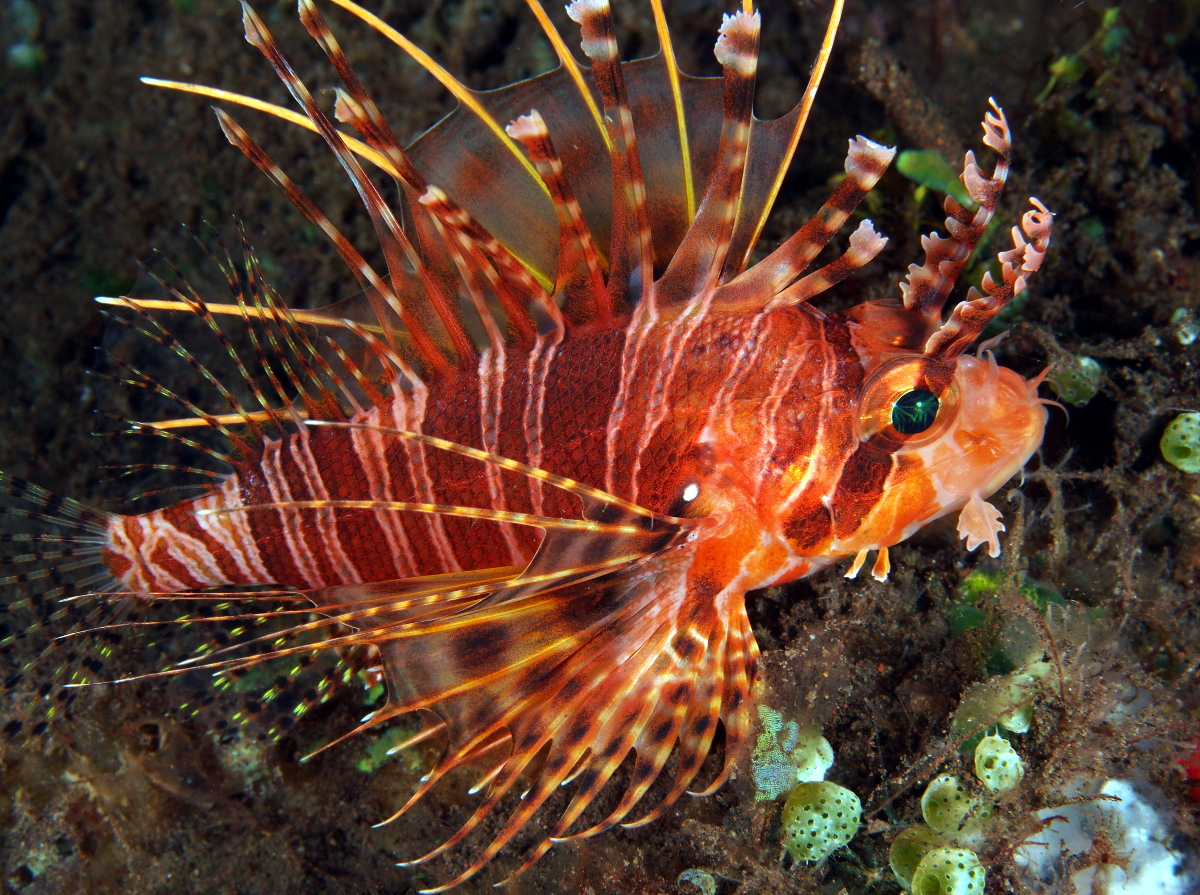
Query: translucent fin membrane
<point x="51" y="550"/>
<point x="636" y="180"/>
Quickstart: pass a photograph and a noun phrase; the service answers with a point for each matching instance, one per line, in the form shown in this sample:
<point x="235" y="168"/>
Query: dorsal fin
<point x="580" y="281"/>
<point x="638" y="175"/>
<point x="700" y="258"/>
<point x="462" y="236"/>
<point x="631" y="246"/>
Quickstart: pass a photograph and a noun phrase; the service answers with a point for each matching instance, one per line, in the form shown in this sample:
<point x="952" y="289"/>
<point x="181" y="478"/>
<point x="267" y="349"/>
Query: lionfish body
<point x="536" y="468"/>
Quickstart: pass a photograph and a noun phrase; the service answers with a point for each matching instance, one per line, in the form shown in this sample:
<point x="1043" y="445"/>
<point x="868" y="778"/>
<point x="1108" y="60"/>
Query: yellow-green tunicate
<point x="997" y="764"/>
<point x="909" y="848"/>
<point x="949" y="871"/>
<point x="952" y="810"/>
<point x="813" y="756"/>
<point x="1077" y="382"/>
<point x="1005" y="700"/>
<point x="819" y="818"/>
<point x="1180" y="444"/>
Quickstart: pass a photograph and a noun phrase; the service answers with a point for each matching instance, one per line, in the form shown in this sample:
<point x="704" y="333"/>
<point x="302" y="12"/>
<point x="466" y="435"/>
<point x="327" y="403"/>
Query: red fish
<point x="535" y="469"/>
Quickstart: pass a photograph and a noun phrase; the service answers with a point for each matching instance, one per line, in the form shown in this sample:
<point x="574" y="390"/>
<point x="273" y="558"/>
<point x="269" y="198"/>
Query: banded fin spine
<point x="925" y="288"/>
<point x="631" y="248"/>
<point x="580" y="280"/>
<point x="399" y="252"/>
<point x="490" y="258"/>
<point x="866" y="162"/>
<point x="972" y="315"/>
<point x="698" y="262"/>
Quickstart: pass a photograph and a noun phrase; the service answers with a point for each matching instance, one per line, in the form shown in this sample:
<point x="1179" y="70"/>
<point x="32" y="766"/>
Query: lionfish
<point x="534" y="467"/>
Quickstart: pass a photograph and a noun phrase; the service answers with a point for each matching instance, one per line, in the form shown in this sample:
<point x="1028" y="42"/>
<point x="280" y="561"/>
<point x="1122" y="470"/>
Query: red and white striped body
<point x="769" y="435"/>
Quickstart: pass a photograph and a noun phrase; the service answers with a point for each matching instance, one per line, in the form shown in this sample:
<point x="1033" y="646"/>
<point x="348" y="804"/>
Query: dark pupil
<point x="914" y="412"/>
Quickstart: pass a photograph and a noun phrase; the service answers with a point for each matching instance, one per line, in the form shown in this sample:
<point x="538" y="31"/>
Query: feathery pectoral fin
<point x="979" y="522"/>
<point x="599" y="648"/>
<point x="582" y="675"/>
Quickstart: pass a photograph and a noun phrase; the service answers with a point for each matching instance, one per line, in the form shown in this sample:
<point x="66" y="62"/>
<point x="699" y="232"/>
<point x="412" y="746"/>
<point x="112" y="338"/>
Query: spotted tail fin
<point x="52" y="553"/>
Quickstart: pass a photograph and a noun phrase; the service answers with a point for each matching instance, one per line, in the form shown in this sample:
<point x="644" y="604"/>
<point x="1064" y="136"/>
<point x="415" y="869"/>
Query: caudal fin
<point x="51" y="553"/>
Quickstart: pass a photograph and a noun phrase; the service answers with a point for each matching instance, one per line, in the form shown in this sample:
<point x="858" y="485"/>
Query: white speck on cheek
<point x="691" y="492"/>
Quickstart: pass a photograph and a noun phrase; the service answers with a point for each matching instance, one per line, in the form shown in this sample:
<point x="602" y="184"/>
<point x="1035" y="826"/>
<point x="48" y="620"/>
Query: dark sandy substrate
<point x="97" y="170"/>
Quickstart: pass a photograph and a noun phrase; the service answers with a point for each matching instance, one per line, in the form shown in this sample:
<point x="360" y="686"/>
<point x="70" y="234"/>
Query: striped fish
<point x="532" y="470"/>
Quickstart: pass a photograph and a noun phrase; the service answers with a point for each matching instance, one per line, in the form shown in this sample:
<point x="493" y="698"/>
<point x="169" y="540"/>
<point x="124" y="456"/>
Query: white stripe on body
<point x="290" y="521"/>
<point x="544" y="352"/>
<point x="371" y="451"/>
<point x="232" y="530"/>
<point x="326" y="519"/>
<point x="410" y="416"/>
<point x="492" y="364"/>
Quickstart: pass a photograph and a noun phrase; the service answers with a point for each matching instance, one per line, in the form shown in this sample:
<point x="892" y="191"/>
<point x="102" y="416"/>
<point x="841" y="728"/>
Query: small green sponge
<point x="949" y="871"/>
<point x="819" y="818"/>
<point x="1077" y="382"/>
<point x="1180" y="443"/>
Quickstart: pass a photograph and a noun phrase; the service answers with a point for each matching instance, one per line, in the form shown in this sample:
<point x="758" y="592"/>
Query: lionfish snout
<point x="999" y="425"/>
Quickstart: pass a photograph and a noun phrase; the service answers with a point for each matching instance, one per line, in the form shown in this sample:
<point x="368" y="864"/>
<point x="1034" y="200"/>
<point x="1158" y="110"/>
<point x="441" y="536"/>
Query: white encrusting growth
<point x="1139" y="834"/>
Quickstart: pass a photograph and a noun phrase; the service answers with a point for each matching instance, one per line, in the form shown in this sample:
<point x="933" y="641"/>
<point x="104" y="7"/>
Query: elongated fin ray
<point x="396" y="246"/>
<point x="481" y="248"/>
<point x="866" y="162"/>
<point x="379" y="292"/>
<point x="668" y="54"/>
<point x="766" y="176"/>
<point x="580" y="281"/>
<point x="623" y="685"/>
<point x="359" y="148"/>
<point x="631" y="247"/>
<point x="51" y="549"/>
<point x="571" y="67"/>
<point x="865" y="244"/>
<point x="926" y="286"/>
<point x="978" y="309"/>
<point x="698" y="262"/>
<point x="456" y="88"/>
<point x="587" y="493"/>
<point x="322" y="317"/>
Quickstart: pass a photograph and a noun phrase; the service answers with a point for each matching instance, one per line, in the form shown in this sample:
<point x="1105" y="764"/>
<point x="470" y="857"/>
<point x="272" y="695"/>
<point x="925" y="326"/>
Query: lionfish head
<point x="909" y="427"/>
<point x="956" y="429"/>
<point x="953" y="426"/>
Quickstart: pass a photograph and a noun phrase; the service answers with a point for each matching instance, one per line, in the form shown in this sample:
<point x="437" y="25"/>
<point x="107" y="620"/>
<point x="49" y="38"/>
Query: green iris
<point x="914" y="412"/>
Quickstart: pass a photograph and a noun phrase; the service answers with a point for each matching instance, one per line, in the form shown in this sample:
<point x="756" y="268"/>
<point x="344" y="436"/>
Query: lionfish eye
<point x="914" y="412"/>
<point x="909" y="400"/>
